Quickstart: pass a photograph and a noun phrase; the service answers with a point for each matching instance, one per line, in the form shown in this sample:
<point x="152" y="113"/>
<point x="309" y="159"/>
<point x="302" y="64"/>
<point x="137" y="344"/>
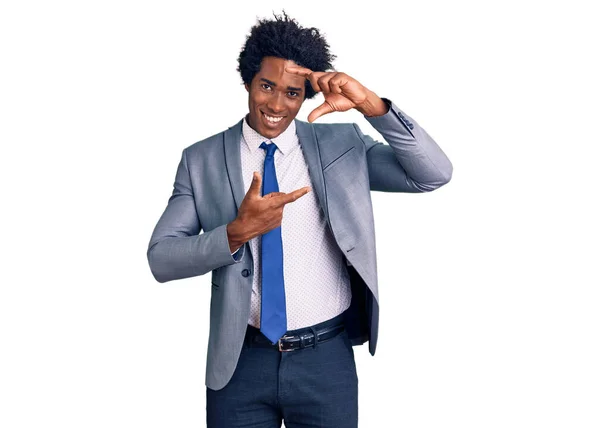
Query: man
<point x="292" y="248"/>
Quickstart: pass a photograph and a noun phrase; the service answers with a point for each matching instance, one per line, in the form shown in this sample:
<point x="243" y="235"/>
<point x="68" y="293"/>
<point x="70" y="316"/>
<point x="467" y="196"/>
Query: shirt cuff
<point x="238" y="254"/>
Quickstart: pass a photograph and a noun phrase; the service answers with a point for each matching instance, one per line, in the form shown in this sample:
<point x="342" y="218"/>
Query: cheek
<point x="258" y="97"/>
<point x="295" y="107"/>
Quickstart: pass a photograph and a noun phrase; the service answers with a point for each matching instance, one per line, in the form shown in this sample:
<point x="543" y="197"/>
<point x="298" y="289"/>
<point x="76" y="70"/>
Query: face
<point x="275" y="97"/>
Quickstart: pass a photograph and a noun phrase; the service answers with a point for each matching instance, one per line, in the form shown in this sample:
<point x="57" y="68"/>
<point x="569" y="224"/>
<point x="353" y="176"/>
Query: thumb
<point x="255" y="186"/>
<point x="320" y="111"/>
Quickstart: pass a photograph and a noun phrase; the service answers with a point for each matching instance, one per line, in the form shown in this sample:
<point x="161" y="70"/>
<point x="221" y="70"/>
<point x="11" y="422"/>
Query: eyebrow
<point x="291" y="88"/>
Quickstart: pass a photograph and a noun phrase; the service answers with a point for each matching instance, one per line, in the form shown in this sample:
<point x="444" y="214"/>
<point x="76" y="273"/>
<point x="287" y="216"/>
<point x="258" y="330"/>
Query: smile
<point x="272" y="119"/>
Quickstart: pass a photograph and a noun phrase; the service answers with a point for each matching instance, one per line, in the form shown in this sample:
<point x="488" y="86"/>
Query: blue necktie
<point x="273" y="321"/>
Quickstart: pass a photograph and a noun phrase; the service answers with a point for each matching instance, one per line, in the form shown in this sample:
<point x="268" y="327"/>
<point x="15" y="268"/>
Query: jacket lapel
<point x="233" y="162"/>
<point x="310" y="148"/>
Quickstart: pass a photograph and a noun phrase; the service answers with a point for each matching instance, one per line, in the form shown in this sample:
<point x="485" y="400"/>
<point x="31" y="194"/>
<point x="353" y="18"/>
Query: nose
<point x="276" y="103"/>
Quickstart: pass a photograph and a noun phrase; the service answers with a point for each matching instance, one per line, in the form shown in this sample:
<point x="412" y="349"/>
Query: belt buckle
<point x="279" y="344"/>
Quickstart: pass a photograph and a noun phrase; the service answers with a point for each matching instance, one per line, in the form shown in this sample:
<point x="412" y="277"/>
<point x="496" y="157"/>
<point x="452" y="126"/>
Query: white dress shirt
<point x="317" y="286"/>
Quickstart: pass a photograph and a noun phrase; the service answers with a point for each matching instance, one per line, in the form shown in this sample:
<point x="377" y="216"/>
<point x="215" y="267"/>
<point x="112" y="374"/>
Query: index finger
<point x="312" y="76"/>
<point x="296" y="69"/>
<point x="292" y="196"/>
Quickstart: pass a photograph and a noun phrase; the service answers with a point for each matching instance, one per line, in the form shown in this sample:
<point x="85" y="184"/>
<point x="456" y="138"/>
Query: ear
<point x="247" y="87"/>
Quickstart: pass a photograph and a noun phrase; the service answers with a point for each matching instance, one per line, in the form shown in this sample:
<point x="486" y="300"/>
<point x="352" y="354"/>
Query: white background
<point x="489" y="286"/>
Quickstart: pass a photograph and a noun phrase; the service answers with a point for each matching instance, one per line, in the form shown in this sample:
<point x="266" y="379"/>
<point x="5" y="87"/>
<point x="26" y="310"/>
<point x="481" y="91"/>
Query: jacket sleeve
<point x="176" y="249"/>
<point x="412" y="162"/>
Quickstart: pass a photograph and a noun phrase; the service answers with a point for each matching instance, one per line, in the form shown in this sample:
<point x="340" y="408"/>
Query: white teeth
<point x="273" y="119"/>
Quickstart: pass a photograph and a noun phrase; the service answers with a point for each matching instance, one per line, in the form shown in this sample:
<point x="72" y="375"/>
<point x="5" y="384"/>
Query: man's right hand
<point x="258" y="214"/>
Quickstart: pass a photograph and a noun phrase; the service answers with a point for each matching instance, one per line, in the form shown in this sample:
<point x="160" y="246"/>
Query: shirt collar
<point x="284" y="141"/>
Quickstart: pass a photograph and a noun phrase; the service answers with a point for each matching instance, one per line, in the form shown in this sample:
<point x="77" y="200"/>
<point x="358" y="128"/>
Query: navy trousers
<point x="310" y="387"/>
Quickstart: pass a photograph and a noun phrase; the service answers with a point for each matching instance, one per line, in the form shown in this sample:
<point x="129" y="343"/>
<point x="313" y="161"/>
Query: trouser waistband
<point x="298" y="338"/>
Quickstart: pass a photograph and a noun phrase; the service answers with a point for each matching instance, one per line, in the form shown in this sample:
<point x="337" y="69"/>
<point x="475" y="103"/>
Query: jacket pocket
<point x="340" y="158"/>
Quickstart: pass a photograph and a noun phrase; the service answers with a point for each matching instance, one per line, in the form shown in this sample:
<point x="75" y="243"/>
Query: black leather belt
<point x="293" y="342"/>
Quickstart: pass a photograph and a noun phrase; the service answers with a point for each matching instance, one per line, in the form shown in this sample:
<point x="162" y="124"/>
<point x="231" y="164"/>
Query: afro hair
<point x="284" y="38"/>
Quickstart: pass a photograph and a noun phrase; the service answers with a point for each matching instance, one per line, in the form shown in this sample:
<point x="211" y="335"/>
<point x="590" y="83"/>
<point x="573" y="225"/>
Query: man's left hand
<point x="341" y="93"/>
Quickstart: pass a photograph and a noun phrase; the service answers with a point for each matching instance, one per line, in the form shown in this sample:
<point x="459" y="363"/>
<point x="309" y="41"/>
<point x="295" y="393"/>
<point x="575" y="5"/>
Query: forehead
<point x="273" y="69"/>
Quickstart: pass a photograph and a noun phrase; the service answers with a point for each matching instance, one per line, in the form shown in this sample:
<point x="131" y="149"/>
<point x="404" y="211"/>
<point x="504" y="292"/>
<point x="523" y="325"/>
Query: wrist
<point x="373" y="105"/>
<point x="235" y="235"/>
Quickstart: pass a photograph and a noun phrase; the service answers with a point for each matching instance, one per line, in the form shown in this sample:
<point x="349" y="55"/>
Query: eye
<point x="266" y="86"/>
<point x="293" y="94"/>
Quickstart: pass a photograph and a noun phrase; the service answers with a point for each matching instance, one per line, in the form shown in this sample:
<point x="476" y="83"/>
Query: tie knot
<point x="270" y="148"/>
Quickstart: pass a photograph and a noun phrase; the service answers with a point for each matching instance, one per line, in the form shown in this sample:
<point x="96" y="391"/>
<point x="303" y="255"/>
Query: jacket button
<point x="245" y="273"/>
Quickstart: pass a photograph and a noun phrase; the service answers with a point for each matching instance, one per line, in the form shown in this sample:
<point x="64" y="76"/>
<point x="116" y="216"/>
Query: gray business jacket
<point x="344" y="166"/>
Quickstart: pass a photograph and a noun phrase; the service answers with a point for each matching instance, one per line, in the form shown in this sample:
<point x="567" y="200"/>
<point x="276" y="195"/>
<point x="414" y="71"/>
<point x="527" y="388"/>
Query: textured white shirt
<point x="317" y="286"/>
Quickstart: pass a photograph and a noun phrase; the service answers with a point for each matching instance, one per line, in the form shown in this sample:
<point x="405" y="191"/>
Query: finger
<point x="273" y="194"/>
<point x="311" y="76"/>
<point x="336" y="83"/>
<point x="320" y="111"/>
<point x="296" y="69"/>
<point x="292" y="196"/>
<point x="324" y="82"/>
<point x="255" y="188"/>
